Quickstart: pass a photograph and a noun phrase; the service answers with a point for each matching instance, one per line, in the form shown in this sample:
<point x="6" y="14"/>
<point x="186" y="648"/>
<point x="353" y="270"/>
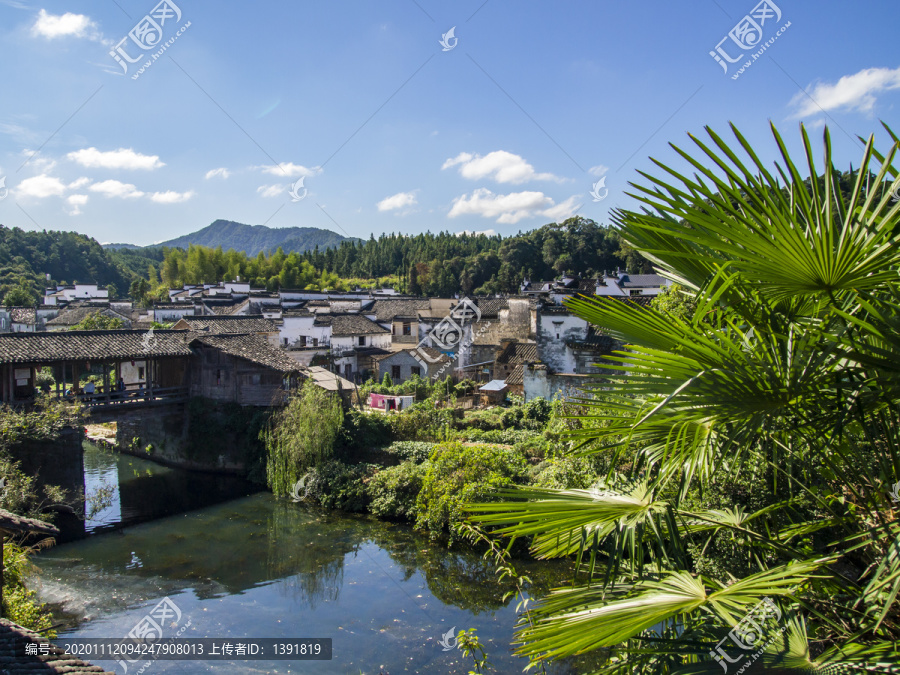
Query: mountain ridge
<point x="252" y="239"/>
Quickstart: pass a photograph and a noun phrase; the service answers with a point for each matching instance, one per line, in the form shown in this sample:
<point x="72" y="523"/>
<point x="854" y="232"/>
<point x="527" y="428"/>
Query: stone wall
<point x="200" y="435"/>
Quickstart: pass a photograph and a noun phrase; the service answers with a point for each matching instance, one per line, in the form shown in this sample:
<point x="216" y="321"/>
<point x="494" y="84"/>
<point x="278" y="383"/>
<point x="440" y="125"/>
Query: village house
<point x="75" y="313"/>
<point x="402" y="365"/>
<point x="355" y="342"/>
<point x="509" y="363"/>
<point x="243" y="369"/>
<point x="219" y="325"/>
<point x="61" y="295"/>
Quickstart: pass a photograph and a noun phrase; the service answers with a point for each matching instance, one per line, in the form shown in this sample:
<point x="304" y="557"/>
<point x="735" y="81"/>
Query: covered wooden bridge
<point x="127" y="367"/>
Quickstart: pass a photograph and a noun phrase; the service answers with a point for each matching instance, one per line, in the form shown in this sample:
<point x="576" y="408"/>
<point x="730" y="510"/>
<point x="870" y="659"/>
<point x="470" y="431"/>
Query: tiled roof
<point x="253" y="348"/>
<point x="216" y="325"/>
<point x="595" y="341"/>
<point x="13" y="639"/>
<point x="386" y="310"/>
<point x="517" y="353"/>
<point x="516" y="376"/>
<point x="23" y="314"/>
<point x="75" y="315"/>
<point x="343" y="325"/>
<point x="642" y="281"/>
<point x="490" y="307"/>
<point x="90" y="345"/>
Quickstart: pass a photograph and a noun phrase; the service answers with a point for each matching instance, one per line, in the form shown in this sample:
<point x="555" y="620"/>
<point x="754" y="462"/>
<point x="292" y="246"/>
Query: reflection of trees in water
<point x="307" y="549"/>
<point x="455" y="577"/>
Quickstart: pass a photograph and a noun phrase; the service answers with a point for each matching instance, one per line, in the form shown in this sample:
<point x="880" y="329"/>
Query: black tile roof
<point x="254" y="348"/>
<point x="217" y="325"/>
<point x="75" y="315"/>
<point x="26" y="315"/>
<point x="642" y="281"/>
<point x="91" y="345"/>
<point x="343" y="325"/>
<point x="517" y="376"/>
<point x="387" y="310"/>
<point x="490" y="307"/>
<point x="517" y="353"/>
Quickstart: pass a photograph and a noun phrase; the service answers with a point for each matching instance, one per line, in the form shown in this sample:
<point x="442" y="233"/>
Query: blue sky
<point x="506" y="126"/>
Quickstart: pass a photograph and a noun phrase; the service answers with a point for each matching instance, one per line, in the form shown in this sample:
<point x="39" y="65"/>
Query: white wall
<point x="293" y="327"/>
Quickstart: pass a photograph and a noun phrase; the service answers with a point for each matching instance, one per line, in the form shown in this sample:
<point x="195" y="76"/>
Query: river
<point x="237" y="564"/>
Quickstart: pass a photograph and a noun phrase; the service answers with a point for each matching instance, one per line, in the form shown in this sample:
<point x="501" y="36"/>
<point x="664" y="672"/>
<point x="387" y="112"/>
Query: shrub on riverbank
<point x="394" y="491"/>
<point x="19" y="603"/>
<point x="457" y="474"/>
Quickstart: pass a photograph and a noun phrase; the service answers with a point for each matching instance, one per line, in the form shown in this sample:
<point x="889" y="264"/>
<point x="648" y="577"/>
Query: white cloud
<point x="76" y="202"/>
<point x="114" y="188"/>
<point x="502" y="166"/>
<point x="38" y="164"/>
<point x="486" y="233"/>
<point x="510" y="209"/>
<point x="271" y="190"/>
<point x="562" y="210"/>
<point x="123" y="158"/>
<point x="79" y="183"/>
<point x="53" y="26"/>
<point x="171" y="197"/>
<point x="851" y="92"/>
<point x="221" y="173"/>
<point x="398" y="201"/>
<point x="598" y="170"/>
<point x="289" y="170"/>
<point x="41" y="187"/>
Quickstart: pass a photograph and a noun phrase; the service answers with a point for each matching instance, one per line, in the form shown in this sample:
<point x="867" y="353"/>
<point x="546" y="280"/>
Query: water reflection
<point x="262" y="567"/>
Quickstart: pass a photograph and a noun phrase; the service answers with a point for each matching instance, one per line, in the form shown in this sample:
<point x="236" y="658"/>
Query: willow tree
<point x="301" y="436"/>
<point x="785" y="379"/>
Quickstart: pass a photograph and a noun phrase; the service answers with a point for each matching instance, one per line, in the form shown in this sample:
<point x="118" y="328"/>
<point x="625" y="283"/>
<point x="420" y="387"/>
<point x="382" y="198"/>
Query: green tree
<point x="22" y="295"/>
<point x="301" y="436"/>
<point x="676" y="301"/>
<point x="98" y="321"/>
<point x="780" y="395"/>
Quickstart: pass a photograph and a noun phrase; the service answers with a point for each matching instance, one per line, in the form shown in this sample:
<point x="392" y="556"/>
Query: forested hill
<point x="252" y="239"/>
<point x="26" y="257"/>
<point x="426" y="264"/>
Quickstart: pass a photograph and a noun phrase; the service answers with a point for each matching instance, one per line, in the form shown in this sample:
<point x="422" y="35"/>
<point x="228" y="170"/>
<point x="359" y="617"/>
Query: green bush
<point x="336" y="485"/>
<point x="413" y="451"/>
<point x="364" y="430"/>
<point x="459" y="474"/>
<point x="422" y="422"/>
<point x="393" y="492"/>
<point x="19" y="603"/>
<point x="566" y="473"/>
